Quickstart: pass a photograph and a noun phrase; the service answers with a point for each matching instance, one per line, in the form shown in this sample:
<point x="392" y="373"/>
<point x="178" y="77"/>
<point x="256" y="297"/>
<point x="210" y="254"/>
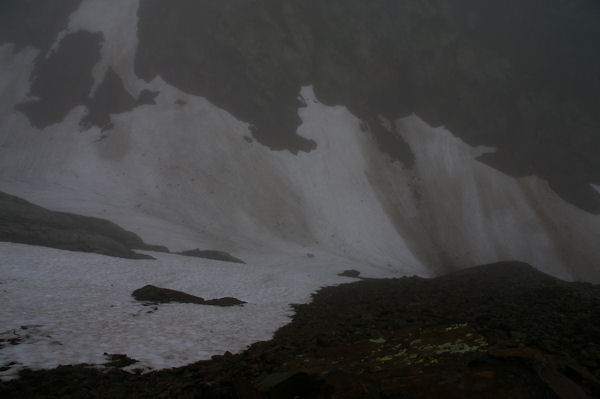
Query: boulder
<point x="155" y="295"/>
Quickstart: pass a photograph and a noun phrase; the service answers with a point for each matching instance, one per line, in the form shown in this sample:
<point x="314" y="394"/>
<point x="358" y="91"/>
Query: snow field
<point x="77" y="306"/>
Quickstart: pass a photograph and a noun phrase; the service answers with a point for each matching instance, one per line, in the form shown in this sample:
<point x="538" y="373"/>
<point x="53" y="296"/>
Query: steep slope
<point x="263" y="130"/>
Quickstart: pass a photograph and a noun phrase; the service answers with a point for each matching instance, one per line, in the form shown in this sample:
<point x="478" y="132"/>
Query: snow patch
<point x="470" y="214"/>
<point x="67" y="307"/>
<point x="117" y="20"/>
<point x="14" y="79"/>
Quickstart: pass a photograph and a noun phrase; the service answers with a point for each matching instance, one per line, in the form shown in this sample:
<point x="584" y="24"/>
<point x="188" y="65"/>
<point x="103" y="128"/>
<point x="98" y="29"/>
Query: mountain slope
<point x="262" y="129"/>
<point x="22" y="222"/>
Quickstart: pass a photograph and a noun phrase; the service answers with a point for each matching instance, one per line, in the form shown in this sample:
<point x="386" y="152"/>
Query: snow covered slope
<point x="182" y="172"/>
<point x="175" y="168"/>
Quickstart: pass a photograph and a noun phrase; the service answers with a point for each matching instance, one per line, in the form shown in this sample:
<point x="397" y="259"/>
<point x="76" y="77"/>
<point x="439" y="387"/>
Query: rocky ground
<point x="496" y="331"/>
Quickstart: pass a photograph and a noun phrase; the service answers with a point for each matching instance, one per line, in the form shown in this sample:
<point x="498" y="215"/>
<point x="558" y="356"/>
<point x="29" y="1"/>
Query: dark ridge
<point x="34" y="22"/>
<point x="146" y="97"/>
<point x="497" y="331"/>
<point x="577" y="191"/>
<point x="155" y="295"/>
<point x="234" y="54"/>
<point x="23" y="222"/>
<point x="521" y="76"/>
<point x="211" y="254"/>
<point x="63" y="80"/>
<point x="110" y="98"/>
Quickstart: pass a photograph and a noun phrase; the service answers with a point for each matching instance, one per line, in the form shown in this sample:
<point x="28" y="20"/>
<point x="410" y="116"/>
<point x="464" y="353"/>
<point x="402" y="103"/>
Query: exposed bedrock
<point x="324" y="89"/>
<point x="23" y="222"/>
<point x="519" y="76"/>
<point x="34" y="22"/>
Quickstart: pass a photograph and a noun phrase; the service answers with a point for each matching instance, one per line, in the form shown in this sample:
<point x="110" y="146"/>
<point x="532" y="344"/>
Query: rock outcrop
<point x="24" y="222"/>
<point x="211" y="254"/>
<point x="155" y="295"/>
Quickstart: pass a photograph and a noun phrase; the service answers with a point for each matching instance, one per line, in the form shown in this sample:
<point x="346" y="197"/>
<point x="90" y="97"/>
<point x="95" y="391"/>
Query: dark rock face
<point x="520" y="76"/>
<point x="155" y="295"/>
<point x="210" y="254"/>
<point x="34" y="22"/>
<point x="111" y="97"/>
<point x="63" y="80"/>
<point x="23" y="222"/>
<point x="235" y="54"/>
<point x="517" y="75"/>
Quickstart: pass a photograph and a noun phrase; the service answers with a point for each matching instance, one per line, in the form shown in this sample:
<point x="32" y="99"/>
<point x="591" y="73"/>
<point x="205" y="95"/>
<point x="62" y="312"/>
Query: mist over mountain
<point x="343" y="125"/>
<point x="306" y="136"/>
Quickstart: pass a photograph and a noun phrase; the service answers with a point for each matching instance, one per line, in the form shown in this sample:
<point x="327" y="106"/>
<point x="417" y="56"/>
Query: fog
<point x="401" y="139"/>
